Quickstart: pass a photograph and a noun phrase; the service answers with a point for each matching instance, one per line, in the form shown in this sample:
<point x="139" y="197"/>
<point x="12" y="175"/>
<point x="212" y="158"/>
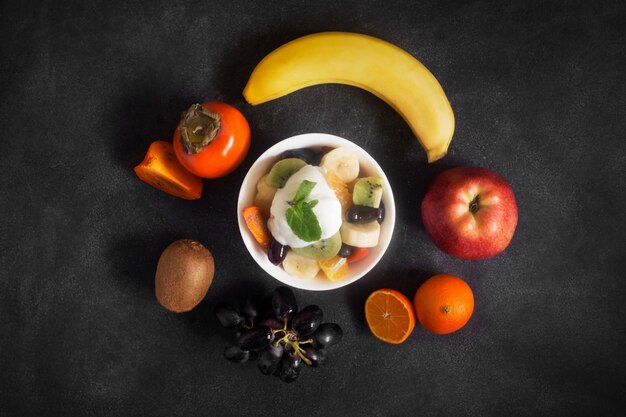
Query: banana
<point x="362" y="61"/>
<point x="343" y="163"/>
<point x="360" y="235"/>
<point x="264" y="194"/>
<point x="300" y="266"/>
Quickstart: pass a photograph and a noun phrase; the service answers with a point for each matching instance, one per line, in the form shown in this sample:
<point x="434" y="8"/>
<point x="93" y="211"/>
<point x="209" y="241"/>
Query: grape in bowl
<point x="317" y="144"/>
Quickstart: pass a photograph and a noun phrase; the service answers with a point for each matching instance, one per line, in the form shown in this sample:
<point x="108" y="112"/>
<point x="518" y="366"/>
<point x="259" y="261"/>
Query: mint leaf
<point x="304" y="223"/>
<point x="300" y="216"/>
<point x="309" y="204"/>
<point x="303" y="192"/>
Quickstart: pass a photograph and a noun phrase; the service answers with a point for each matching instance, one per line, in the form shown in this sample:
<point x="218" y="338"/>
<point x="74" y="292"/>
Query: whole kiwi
<point x="183" y="275"/>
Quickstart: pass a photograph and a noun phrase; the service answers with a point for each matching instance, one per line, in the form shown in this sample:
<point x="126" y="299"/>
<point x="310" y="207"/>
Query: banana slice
<point x="342" y="163"/>
<point x="363" y="235"/>
<point x="299" y="266"/>
<point x="264" y="194"/>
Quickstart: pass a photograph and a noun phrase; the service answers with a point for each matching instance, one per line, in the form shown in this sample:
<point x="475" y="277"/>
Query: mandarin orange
<point x="444" y="304"/>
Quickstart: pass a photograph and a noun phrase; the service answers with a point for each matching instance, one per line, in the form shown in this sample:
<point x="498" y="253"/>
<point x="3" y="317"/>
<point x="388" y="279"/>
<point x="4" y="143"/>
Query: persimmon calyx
<point x="198" y="127"/>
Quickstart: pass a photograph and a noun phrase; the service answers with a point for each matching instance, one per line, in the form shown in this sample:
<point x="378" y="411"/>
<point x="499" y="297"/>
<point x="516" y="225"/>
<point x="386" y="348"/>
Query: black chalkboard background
<point x="538" y="90"/>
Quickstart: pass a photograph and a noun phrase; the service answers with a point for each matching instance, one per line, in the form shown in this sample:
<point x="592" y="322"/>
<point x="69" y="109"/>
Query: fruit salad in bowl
<point x="316" y="211"/>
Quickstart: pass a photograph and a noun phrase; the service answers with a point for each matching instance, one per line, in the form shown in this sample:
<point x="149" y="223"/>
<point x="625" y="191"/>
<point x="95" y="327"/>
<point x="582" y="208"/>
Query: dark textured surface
<point x="538" y="90"/>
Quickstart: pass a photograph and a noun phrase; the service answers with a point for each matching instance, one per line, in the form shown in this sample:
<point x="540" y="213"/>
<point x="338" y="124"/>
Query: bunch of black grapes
<point x="281" y="339"/>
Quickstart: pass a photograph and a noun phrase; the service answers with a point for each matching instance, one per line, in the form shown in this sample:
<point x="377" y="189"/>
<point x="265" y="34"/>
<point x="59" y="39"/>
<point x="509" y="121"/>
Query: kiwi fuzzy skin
<point x="183" y="275"/>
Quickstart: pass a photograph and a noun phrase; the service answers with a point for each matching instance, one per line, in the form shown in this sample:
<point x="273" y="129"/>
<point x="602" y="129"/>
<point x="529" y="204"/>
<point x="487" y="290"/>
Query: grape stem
<point x="290" y="338"/>
<point x="300" y="353"/>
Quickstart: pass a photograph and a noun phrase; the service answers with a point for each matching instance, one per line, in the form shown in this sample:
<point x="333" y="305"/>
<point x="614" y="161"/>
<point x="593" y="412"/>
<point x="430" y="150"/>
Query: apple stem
<point x="474" y="204"/>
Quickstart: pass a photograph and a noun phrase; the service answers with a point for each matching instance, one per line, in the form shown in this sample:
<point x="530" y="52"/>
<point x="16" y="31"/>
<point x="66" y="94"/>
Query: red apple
<point x="470" y="213"/>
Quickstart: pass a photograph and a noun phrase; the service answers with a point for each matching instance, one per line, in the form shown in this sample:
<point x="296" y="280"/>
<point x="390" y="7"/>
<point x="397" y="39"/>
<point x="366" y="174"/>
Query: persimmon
<point x="212" y="139"/>
<point x="161" y="169"/>
<point x="358" y="254"/>
<point x="444" y="303"/>
<point x="256" y="220"/>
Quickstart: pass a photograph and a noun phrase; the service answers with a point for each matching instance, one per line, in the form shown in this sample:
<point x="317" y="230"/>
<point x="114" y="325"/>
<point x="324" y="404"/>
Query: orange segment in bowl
<point x="341" y="190"/>
<point x="334" y="268"/>
<point x="389" y="315"/>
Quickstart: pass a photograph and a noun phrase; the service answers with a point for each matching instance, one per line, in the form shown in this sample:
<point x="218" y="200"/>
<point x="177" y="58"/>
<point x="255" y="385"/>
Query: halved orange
<point x="389" y="315"/>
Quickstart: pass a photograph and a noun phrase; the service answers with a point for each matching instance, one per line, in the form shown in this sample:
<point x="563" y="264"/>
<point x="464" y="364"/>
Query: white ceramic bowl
<point x="261" y="166"/>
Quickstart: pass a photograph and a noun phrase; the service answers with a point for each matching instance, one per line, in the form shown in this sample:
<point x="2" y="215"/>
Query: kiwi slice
<point x="323" y="249"/>
<point x="368" y="191"/>
<point x="282" y="170"/>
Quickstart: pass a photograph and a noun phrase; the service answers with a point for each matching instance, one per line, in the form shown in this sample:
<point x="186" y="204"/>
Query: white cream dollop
<point x="327" y="210"/>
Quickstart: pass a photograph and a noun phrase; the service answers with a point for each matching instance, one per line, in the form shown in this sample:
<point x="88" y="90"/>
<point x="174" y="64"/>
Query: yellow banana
<point x="363" y="61"/>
